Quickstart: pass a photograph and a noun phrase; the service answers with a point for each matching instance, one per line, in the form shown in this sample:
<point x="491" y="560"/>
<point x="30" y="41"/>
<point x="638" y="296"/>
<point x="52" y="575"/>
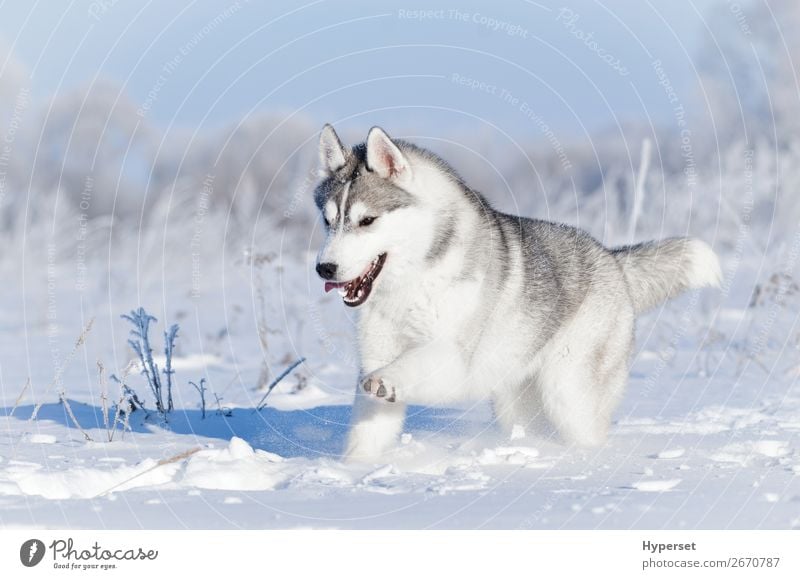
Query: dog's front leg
<point x="374" y="427"/>
<point x="434" y="373"/>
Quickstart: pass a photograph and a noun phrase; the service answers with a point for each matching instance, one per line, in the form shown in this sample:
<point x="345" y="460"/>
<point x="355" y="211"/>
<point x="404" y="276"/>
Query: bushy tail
<point x="659" y="270"/>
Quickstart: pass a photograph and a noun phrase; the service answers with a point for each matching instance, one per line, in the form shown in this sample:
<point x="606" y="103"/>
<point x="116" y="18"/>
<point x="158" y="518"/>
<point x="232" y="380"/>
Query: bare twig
<point x="162" y="462"/>
<point x="275" y="382"/>
<point x="60" y="370"/>
<point x="122" y="398"/>
<point x="21" y="394"/>
<point x="232" y="381"/>
<point x="262" y="329"/>
<point x="126" y="421"/>
<point x="169" y="348"/>
<point x="101" y="378"/>
<point x="139" y="342"/>
<point x="221" y="411"/>
<point x="638" y="190"/>
<point x="201" y="389"/>
<point x="258" y="262"/>
<point x="117" y="415"/>
<point x="62" y="396"/>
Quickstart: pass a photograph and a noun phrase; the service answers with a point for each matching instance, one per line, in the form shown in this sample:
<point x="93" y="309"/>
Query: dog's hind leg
<point x="521" y="405"/>
<point x="573" y="404"/>
<point x="581" y="389"/>
<point x="374" y="427"/>
<point x="585" y="368"/>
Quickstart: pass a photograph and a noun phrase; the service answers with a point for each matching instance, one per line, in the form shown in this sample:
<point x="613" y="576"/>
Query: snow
<point x="705" y="437"/>
<point x="671" y="453"/>
<point x="656" y="486"/>
<point x="663" y="466"/>
<point x="42" y="439"/>
<point x="236" y="467"/>
<point x="34" y="479"/>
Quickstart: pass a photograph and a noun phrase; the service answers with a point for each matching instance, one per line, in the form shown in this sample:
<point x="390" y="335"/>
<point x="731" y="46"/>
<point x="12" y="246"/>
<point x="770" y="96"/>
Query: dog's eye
<point x="325" y="219"/>
<point x="366" y="221"/>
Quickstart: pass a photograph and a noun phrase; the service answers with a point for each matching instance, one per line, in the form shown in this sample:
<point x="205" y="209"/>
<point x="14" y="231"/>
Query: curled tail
<point x="656" y="271"/>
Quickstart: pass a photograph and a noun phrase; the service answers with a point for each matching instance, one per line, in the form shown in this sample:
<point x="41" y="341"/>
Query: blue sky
<point x="576" y="65"/>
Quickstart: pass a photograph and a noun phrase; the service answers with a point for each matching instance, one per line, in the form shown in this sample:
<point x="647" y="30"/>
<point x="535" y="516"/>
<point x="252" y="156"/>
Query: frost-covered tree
<point x="95" y="149"/>
<point x="15" y="105"/>
<point x="749" y="64"/>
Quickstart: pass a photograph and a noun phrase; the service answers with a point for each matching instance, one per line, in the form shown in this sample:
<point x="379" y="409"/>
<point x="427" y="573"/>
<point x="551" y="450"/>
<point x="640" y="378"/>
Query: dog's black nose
<point x="326" y="270"/>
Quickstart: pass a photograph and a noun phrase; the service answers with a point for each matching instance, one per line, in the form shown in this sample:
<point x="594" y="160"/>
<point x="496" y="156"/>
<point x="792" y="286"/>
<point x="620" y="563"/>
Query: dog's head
<point x="373" y="214"/>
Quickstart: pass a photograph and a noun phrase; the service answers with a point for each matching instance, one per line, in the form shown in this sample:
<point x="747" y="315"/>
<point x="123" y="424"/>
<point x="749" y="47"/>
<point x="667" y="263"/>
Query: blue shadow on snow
<point x="311" y="433"/>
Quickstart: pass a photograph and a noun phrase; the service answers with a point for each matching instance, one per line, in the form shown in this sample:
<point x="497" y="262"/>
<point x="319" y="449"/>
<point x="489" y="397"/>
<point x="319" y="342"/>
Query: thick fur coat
<point x="457" y="300"/>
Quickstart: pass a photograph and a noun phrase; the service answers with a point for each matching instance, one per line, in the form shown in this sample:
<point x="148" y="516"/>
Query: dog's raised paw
<point x="375" y="386"/>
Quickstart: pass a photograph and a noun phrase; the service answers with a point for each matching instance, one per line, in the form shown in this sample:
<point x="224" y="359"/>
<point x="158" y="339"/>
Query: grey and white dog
<point x="458" y="300"/>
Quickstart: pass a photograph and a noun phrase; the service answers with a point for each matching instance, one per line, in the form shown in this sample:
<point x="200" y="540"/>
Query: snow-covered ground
<point x="708" y="435"/>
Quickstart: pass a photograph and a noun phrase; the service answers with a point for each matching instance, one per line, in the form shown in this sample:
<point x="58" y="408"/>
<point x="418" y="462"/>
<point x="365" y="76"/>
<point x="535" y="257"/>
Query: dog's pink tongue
<point x="329" y="285"/>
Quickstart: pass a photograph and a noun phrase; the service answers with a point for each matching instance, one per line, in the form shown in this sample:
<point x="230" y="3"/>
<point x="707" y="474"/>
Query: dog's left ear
<point x="385" y="158"/>
<point x="332" y="155"/>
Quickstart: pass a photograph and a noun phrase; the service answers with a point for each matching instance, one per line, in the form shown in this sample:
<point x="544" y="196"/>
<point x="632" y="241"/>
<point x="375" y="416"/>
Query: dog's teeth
<point x="356" y="291"/>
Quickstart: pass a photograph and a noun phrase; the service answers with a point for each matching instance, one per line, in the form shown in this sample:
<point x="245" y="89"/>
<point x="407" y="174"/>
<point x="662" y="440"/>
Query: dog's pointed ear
<point x="385" y="158"/>
<point x="332" y="155"/>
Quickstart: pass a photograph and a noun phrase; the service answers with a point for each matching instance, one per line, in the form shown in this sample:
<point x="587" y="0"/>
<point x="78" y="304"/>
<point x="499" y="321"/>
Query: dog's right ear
<point x="332" y="155"/>
<point x="385" y="158"/>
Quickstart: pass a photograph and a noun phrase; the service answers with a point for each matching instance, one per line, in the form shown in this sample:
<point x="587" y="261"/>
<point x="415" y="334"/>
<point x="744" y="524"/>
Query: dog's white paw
<point x="378" y="388"/>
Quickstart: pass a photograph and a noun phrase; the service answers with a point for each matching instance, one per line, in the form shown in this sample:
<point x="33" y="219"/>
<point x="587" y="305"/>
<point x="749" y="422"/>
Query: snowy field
<point x="707" y="435"/>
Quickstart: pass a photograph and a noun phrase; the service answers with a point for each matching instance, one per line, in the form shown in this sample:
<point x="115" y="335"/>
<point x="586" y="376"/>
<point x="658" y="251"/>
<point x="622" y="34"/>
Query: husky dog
<point x="458" y="300"/>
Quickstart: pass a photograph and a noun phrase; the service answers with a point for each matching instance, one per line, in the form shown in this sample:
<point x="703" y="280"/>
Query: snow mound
<point x="84" y="483"/>
<point x="237" y="468"/>
<point x="42" y="439"/>
<point x="671" y="453"/>
<point x="656" y="486"/>
<point x="745" y="453"/>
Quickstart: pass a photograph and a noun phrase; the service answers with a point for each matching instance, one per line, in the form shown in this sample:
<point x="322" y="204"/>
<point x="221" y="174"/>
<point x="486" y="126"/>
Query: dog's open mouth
<point x="356" y="291"/>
